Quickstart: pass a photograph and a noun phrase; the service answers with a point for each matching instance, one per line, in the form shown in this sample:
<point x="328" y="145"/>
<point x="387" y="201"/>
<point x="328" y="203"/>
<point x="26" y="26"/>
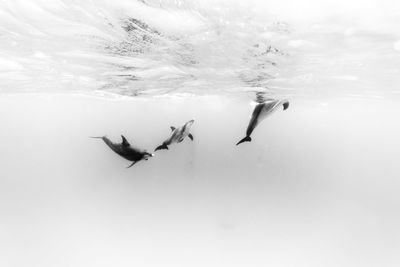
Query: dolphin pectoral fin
<point x="190" y="136"/>
<point x="124" y="141"/>
<point x="133" y="163"/>
<point x="172" y="128"/>
<point x="98" y="137"/>
<point x="285" y="105"/>
<point x="163" y="146"/>
<point x="246" y="139"/>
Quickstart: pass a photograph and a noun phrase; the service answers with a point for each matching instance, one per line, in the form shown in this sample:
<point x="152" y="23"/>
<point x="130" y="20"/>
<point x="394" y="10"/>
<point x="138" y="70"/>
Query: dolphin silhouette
<point x="260" y="112"/>
<point x="125" y="150"/>
<point x="177" y="135"/>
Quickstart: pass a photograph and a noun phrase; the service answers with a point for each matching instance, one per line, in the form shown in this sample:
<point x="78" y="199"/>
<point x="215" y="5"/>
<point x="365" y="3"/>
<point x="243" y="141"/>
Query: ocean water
<point x="317" y="186"/>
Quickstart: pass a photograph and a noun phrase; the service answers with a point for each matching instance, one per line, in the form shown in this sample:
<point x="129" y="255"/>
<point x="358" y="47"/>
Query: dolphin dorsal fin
<point x="172" y="128"/>
<point x="285" y="104"/>
<point x="124" y="141"/>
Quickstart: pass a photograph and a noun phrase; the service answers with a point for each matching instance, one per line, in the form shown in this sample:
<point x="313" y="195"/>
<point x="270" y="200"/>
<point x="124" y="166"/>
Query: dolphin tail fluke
<point x="163" y="146"/>
<point x="246" y="139"/>
<point x="133" y="163"/>
<point x="190" y="136"/>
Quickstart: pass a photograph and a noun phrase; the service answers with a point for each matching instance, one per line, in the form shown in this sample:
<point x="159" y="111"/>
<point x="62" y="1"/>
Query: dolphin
<point x="126" y="151"/>
<point x="177" y="135"/>
<point x="260" y="112"/>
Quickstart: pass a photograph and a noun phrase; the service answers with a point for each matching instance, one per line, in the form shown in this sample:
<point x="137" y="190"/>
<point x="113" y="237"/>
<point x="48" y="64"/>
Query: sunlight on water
<point x="196" y="47"/>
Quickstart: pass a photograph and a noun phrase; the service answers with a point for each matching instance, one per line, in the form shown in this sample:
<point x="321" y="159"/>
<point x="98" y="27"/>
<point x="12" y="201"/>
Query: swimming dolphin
<point x="260" y="112"/>
<point x="177" y="136"/>
<point x="127" y="151"/>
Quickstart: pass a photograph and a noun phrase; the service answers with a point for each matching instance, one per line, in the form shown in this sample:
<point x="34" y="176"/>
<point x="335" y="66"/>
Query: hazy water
<point x="317" y="186"/>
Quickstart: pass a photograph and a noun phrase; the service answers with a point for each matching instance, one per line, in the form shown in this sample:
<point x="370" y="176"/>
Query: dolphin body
<point x="125" y="150"/>
<point x="177" y="135"/>
<point x="260" y="112"/>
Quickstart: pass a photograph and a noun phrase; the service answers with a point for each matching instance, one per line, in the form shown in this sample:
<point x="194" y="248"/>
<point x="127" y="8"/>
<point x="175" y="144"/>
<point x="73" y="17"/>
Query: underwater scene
<point x="199" y="133"/>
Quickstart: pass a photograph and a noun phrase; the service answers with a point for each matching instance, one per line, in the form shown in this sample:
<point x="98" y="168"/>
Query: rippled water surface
<point x="199" y="47"/>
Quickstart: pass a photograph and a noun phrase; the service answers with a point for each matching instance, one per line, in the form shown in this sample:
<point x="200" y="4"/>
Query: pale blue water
<point x="317" y="186"/>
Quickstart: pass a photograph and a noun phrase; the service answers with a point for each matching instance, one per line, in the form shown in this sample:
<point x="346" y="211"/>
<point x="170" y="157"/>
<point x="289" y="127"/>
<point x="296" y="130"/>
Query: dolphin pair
<point x="134" y="154"/>
<point x="126" y="150"/>
<point x="260" y="112"/>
